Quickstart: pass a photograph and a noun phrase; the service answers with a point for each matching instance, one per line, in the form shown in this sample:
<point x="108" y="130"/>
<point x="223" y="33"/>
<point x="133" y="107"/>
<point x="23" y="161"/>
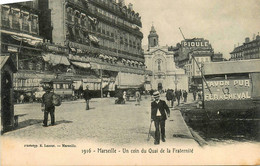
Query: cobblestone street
<point x="105" y="123"/>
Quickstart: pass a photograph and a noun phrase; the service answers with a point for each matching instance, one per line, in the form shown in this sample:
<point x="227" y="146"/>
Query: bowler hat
<point x="156" y="94"/>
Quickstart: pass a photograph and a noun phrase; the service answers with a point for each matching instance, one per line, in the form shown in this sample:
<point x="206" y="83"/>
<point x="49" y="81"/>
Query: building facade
<point x="20" y="39"/>
<point x="249" y="50"/>
<point x="161" y="62"/>
<point x="91" y="42"/>
<point x="189" y="55"/>
<point x="103" y="37"/>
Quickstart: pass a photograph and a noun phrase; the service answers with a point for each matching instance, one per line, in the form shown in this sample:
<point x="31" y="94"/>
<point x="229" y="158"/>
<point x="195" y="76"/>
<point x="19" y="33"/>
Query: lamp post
<point x="176" y="81"/>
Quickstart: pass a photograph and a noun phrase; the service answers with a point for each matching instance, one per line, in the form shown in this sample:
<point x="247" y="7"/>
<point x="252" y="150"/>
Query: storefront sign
<point x="195" y="43"/>
<point x="228" y="90"/>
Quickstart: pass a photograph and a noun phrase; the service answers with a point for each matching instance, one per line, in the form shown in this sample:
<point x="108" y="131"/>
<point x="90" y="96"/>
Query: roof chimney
<point x="258" y="37"/>
<point x="130" y="6"/>
<point x="121" y="2"/>
<point x="254" y="37"/>
<point x="247" y="40"/>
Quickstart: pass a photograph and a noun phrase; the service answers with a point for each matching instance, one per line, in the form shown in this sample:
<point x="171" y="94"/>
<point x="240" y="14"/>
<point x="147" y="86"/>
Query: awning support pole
<point x="101" y="83"/>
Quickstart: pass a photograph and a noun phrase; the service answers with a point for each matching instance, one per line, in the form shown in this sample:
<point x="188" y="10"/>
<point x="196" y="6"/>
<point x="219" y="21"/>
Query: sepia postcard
<point x="130" y="82"/>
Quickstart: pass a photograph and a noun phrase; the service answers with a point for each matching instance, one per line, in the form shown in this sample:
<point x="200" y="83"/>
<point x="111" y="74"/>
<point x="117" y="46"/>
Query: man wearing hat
<point x="47" y="106"/>
<point x="159" y="109"/>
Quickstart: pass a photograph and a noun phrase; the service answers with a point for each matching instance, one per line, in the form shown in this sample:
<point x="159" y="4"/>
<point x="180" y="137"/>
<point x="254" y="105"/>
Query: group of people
<point x="48" y="106"/>
<point x="159" y="109"/>
<point x="172" y="95"/>
<point x="197" y="93"/>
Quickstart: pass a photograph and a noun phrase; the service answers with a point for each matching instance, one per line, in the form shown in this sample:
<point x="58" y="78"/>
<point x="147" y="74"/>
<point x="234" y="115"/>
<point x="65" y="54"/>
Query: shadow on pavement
<point x="21" y="115"/>
<point x="27" y="123"/>
<point x="62" y="121"/>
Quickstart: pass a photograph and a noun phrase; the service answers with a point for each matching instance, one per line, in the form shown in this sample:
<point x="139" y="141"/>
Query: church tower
<point x="153" y="38"/>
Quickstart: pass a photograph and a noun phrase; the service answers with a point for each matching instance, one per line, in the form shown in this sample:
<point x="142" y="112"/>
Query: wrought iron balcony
<point x="16" y="25"/>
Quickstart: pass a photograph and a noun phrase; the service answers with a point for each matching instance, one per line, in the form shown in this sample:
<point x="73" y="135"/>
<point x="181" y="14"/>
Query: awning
<point x="231" y="67"/>
<point x="93" y="38"/>
<point x="32" y="42"/>
<point x="56" y="59"/>
<point x="22" y="35"/>
<point x="82" y="65"/>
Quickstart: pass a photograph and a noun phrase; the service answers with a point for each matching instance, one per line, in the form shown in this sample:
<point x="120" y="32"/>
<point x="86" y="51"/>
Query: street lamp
<point x="176" y="81"/>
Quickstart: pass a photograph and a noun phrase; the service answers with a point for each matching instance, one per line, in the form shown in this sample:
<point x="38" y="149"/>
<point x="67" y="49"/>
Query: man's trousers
<point x="159" y="124"/>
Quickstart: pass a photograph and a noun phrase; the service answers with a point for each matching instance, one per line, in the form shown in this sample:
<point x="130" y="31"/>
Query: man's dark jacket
<point x="162" y="106"/>
<point x="87" y="94"/>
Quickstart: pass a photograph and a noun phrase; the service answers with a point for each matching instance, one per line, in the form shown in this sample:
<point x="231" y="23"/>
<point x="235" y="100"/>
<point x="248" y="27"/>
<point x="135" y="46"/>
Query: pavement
<point x="105" y="123"/>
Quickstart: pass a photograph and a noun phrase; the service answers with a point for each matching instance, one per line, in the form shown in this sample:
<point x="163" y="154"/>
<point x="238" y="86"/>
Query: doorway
<point x="6" y="104"/>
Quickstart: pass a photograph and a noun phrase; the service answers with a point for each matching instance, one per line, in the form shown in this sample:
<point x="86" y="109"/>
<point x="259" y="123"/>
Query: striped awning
<point x="93" y="38"/>
<point x="81" y="64"/>
<point x="55" y="59"/>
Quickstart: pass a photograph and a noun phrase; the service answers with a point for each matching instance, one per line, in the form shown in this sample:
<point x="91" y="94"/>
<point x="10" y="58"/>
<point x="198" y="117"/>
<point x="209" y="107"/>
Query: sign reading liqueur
<point x="197" y="42"/>
<point x="228" y="90"/>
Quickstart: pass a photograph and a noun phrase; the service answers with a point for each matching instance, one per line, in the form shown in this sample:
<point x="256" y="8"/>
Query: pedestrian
<point x="178" y="96"/>
<point x="137" y="97"/>
<point x="159" y="109"/>
<point x="200" y="95"/>
<point x="185" y="95"/>
<point x="87" y="97"/>
<point x="173" y="97"/>
<point x="21" y="98"/>
<point x="169" y="97"/>
<point x="151" y="93"/>
<point x="48" y="106"/>
<point x="124" y="96"/>
<point x="194" y="95"/>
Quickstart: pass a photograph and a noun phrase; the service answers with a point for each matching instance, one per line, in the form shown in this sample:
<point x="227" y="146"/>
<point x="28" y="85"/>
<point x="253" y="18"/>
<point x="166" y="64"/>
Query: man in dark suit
<point x="159" y="109"/>
<point x="48" y="106"/>
<point x="87" y="97"/>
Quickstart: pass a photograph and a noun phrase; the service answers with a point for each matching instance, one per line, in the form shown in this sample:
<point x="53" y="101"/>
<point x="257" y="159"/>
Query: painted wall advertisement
<point x="238" y="89"/>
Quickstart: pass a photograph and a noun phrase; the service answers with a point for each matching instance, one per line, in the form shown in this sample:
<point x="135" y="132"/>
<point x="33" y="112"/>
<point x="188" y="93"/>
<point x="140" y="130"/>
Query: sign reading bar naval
<point x="198" y="42"/>
<point x="228" y="90"/>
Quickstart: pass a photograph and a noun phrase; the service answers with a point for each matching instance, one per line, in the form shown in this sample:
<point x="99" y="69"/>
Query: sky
<point x="223" y="22"/>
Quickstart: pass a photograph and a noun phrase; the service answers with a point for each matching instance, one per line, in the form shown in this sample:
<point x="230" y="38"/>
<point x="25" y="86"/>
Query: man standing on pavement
<point x="169" y="97"/>
<point x="137" y="97"/>
<point x="159" y="109"/>
<point x="87" y="97"/>
<point x="185" y="95"/>
<point x="178" y="96"/>
<point x="48" y="106"/>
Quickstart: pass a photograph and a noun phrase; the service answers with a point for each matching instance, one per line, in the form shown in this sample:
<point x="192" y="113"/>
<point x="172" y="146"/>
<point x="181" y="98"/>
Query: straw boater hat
<point x="156" y="94"/>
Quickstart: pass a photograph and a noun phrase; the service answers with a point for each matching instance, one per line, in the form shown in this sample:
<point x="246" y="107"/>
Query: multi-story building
<point x="249" y="50"/>
<point x="103" y="37"/>
<point x="218" y="57"/>
<point x="21" y="41"/>
<point x="91" y="42"/>
<point x="190" y="55"/>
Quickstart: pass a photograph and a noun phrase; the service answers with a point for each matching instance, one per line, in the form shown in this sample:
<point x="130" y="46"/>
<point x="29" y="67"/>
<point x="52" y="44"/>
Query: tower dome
<point x="153" y="38"/>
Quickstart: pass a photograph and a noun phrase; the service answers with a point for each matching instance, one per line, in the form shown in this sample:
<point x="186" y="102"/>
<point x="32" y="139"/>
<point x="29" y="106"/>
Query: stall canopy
<point x="82" y="65"/>
<point x="56" y="59"/>
<point x="32" y="42"/>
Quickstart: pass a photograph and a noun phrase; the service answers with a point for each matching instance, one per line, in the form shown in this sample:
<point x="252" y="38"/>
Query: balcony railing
<point x="5" y="23"/>
<point x="25" y="27"/>
<point x="16" y="25"/>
